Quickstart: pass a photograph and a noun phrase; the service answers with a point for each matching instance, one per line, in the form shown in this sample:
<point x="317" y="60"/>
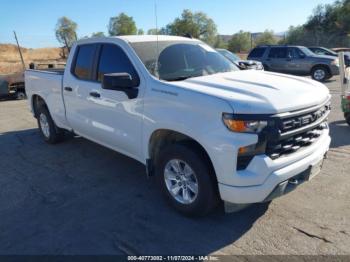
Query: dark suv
<point x="297" y="60"/>
<point x="318" y="50"/>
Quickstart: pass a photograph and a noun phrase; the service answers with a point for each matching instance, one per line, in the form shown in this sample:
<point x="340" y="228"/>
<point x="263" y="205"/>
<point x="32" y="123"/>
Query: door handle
<point x="68" y="89"/>
<point x="95" y="94"/>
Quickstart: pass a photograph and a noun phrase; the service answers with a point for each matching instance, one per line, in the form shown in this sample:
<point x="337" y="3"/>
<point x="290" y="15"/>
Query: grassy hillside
<point x="10" y="61"/>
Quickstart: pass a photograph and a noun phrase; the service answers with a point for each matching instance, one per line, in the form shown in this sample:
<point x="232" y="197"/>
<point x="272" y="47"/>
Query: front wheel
<point x="187" y="181"/>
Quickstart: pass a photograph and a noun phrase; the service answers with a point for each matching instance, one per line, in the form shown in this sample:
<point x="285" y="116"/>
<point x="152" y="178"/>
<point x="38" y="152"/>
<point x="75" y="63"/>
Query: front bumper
<point x="287" y="168"/>
<point x="334" y="70"/>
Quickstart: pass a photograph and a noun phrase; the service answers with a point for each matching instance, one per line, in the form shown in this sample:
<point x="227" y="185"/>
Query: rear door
<point x="277" y="59"/>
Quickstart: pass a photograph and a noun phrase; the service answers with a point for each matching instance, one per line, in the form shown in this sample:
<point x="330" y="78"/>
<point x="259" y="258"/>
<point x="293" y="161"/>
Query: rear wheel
<point x="21" y="95"/>
<point x="186" y="180"/>
<point x="50" y="132"/>
<point x="320" y="73"/>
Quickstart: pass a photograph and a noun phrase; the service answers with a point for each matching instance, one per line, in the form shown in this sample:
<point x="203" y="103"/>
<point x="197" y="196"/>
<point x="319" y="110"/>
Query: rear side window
<point x="278" y="52"/>
<point x="114" y="60"/>
<point x="84" y="62"/>
<point x="257" y="52"/>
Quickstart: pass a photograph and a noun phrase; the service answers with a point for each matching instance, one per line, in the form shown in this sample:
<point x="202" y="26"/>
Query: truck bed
<point x="57" y="71"/>
<point x="47" y="84"/>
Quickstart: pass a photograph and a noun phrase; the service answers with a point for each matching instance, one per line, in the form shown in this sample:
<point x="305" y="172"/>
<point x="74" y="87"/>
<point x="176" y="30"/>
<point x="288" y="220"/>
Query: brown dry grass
<point x="10" y="61"/>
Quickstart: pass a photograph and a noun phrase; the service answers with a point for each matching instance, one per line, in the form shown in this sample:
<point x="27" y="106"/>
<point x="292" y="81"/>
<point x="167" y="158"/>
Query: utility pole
<point x="20" y="51"/>
<point x="66" y="42"/>
<point x="251" y="41"/>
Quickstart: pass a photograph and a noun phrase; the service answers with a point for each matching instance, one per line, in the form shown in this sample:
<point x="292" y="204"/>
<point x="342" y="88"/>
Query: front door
<point x="116" y="119"/>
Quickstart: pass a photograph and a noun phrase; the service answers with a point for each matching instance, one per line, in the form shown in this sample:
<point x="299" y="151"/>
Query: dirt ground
<point x="10" y="61"/>
<point x="80" y="198"/>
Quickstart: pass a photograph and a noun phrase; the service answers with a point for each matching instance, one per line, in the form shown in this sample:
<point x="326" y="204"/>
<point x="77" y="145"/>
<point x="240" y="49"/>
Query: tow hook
<point x="293" y="181"/>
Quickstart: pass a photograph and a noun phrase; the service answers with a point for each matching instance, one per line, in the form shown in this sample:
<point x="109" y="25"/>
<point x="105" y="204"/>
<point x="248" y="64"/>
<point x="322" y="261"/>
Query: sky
<point x="35" y="20"/>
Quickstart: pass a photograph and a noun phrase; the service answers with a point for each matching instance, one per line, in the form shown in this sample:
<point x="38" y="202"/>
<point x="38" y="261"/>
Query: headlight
<point x="260" y="66"/>
<point x="243" y="126"/>
<point x="335" y="62"/>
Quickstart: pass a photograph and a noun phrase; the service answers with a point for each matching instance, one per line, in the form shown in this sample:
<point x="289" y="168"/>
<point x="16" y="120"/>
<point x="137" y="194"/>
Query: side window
<point x="278" y="52"/>
<point x="84" y="62"/>
<point x="320" y="52"/>
<point x="298" y="53"/>
<point x="114" y="60"/>
<point x="257" y="52"/>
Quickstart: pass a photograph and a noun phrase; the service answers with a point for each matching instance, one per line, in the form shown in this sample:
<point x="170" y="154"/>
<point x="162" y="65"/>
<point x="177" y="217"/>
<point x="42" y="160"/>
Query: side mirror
<point x="120" y="82"/>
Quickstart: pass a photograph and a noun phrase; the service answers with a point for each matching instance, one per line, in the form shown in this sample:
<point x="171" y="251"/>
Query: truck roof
<point x="279" y="46"/>
<point x="140" y="38"/>
<point x="151" y="38"/>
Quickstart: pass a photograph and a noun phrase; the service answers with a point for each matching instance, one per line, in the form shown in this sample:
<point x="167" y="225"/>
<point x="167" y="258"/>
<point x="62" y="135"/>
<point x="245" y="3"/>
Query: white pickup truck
<point x="207" y="131"/>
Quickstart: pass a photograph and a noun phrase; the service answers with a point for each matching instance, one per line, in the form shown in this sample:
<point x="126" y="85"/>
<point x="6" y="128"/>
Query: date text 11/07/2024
<point x="172" y="258"/>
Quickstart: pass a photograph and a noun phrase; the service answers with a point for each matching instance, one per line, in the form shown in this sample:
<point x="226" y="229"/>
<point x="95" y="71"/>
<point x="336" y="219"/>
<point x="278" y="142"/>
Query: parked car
<point x="297" y="60"/>
<point x="242" y="64"/>
<point x="206" y="130"/>
<point x="12" y="86"/>
<point x="325" y="51"/>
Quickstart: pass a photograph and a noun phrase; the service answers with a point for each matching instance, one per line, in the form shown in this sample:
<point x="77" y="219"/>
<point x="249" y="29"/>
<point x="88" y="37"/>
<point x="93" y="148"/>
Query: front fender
<point x="199" y="117"/>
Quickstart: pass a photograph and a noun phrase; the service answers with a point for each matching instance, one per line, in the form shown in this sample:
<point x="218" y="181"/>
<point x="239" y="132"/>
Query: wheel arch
<point x="161" y="138"/>
<point x="321" y="65"/>
<point x="36" y="102"/>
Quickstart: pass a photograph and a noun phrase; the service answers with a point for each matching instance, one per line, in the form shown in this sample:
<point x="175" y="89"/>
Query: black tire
<point x="347" y="118"/>
<point x="320" y="73"/>
<point x="207" y="197"/>
<point x="55" y="134"/>
<point x="20" y="95"/>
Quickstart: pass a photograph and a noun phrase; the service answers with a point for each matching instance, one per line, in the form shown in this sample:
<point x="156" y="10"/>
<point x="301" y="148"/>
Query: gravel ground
<point x="80" y="198"/>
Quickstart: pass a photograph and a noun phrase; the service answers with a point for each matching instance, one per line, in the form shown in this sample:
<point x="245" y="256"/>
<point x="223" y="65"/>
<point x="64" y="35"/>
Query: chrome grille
<point x="293" y="144"/>
<point x="298" y="131"/>
<point x="303" y="120"/>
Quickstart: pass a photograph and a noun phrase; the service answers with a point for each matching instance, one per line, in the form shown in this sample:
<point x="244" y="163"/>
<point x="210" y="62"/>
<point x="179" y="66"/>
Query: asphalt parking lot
<point x="80" y="198"/>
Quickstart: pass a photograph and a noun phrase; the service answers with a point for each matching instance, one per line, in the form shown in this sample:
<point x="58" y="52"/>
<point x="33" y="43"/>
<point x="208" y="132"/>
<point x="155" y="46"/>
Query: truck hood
<point x="259" y="92"/>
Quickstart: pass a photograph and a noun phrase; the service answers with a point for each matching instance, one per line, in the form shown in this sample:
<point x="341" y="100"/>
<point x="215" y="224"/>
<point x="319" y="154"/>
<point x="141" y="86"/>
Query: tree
<point x="140" y="32"/>
<point x="240" y="42"/>
<point x="198" y="25"/>
<point x="66" y="32"/>
<point x="266" y="38"/>
<point x="329" y="26"/>
<point x="295" y="36"/>
<point x="98" y="34"/>
<point x="122" y="25"/>
<point x="153" y="31"/>
<point x="220" y="43"/>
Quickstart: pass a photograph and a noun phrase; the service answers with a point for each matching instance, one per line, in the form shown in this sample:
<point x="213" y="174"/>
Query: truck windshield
<point x="230" y="56"/>
<point x="180" y="60"/>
